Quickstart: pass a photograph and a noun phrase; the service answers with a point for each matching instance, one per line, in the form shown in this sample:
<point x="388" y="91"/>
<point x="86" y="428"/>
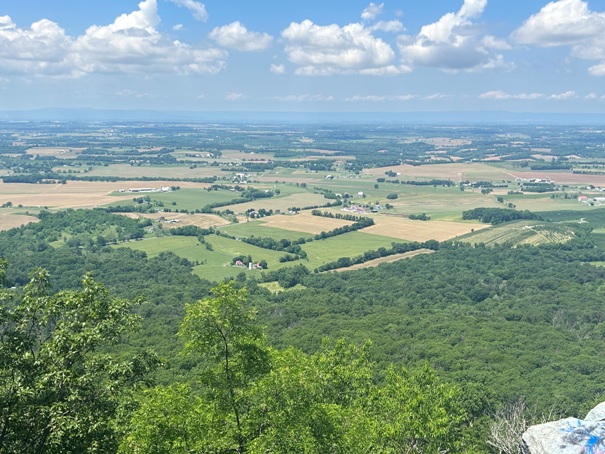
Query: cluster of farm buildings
<point x="137" y="190"/>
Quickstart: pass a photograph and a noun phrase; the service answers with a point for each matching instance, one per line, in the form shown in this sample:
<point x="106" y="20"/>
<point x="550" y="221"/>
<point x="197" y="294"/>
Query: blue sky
<point x="329" y="55"/>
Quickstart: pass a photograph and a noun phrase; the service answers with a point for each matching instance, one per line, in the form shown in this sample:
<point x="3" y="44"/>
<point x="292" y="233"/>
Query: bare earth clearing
<point x="407" y="229"/>
<point x="304" y="222"/>
<point x="8" y="221"/>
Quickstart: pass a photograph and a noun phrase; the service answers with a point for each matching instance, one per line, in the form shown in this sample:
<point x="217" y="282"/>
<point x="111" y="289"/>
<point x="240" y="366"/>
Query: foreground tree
<point x="58" y="394"/>
<point x="223" y="332"/>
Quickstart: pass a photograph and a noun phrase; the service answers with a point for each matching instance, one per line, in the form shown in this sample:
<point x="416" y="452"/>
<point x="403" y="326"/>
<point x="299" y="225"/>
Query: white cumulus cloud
<point x="304" y="98"/>
<point x="380" y="98"/>
<point x="436" y="96"/>
<point x="236" y="36"/>
<point x="567" y="23"/>
<point x="371" y="11"/>
<point x="198" y="9"/>
<point x="41" y="49"/>
<point x="564" y="22"/>
<point x="502" y="95"/>
<point x="391" y="26"/>
<point x="234" y="96"/>
<point x="131" y="44"/>
<point x="331" y="49"/>
<point x="277" y="69"/>
<point x="563" y="96"/>
<point x="597" y="70"/>
<point x="454" y="42"/>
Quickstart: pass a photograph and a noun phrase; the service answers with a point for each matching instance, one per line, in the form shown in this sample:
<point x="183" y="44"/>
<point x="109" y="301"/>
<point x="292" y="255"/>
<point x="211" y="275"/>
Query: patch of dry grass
<point x="389" y="259"/>
<point x="74" y="194"/>
<point x="9" y="220"/>
<point x="406" y="229"/>
<point x="304" y="222"/>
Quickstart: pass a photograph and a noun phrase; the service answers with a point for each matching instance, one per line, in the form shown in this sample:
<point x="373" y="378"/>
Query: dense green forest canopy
<point x="524" y="321"/>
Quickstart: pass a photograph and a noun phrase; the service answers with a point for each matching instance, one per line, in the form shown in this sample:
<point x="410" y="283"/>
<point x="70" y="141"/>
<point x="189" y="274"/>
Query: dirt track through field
<point x="389" y="259"/>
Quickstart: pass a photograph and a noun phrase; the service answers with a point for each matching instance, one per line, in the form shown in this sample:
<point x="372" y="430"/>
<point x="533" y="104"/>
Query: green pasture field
<point x="184" y="246"/>
<point x="595" y="217"/>
<point x="347" y="245"/>
<point x="258" y="229"/>
<point x="217" y="265"/>
<point x="544" y="202"/>
<point x="280" y="203"/>
<point x="192" y="199"/>
<point x="185" y="198"/>
<point x="284" y="189"/>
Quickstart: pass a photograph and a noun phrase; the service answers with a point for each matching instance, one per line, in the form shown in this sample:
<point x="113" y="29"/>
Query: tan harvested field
<point x="389" y="259"/>
<point x="294" y="177"/>
<point x="304" y="222"/>
<point x="238" y="155"/>
<point x="8" y="220"/>
<point x="74" y="194"/>
<point x="203" y="221"/>
<point x="128" y="171"/>
<point x="407" y="229"/>
<point x="563" y="177"/>
<point x="279" y="203"/>
<point x="454" y="172"/>
<point x="483" y="171"/>
<point x="57" y="152"/>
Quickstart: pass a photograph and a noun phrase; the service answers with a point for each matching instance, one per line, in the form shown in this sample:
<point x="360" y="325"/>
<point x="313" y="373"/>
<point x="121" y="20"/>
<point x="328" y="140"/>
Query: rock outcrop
<point x="570" y="435"/>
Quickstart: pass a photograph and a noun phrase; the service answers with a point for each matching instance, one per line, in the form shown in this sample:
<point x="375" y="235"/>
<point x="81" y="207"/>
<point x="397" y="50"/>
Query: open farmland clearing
<point x="57" y="152"/>
<point x="454" y="172"/>
<point x="389" y="259"/>
<point x="9" y="220"/>
<point x="78" y="194"/>
<point x="73" y="194"/>
<point x="304" y="222"/>
<point x="522" y="232"/>
<point x="261" y="229"/>
<point x="203" y="221"/>
<point x="406" y="229"/>
<point x="347" y="245"/>
<point x="279" y="203"/>
<point x="169" y="171"/>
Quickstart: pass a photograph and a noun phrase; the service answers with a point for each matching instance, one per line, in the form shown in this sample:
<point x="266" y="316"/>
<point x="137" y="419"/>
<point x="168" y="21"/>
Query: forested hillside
<point x="474" y="327"/>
